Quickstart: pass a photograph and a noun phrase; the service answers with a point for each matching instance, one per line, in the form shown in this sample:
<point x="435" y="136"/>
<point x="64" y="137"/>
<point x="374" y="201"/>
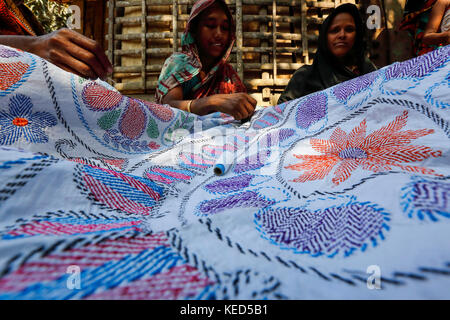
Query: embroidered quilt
<point x="344" y="193"/>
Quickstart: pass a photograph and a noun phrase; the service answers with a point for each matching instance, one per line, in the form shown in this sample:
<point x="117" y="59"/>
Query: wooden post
<point x="239" y="41"/>
<point x="144" y="45"/>
<point x="264" y="57"/>
<point x="274" y="39"/>
<point x="175" y="25"/>
<point x="111" y="48"/>
<point x="305" y="52"/>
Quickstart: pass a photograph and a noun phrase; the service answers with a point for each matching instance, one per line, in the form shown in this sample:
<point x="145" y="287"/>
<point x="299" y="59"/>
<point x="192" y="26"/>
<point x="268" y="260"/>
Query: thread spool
<point x="221" y="169"/>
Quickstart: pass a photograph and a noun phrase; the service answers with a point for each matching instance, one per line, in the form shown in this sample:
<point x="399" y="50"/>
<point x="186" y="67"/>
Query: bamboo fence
<point x="273" y="39"/>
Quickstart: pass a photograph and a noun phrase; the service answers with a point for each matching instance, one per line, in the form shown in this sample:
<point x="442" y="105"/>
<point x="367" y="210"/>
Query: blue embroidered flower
<point x="21" y="122"/>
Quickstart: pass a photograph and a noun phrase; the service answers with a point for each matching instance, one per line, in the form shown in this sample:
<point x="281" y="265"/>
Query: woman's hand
<point x="238" y="105"/>
<point x="72" y="52"/>
<point x="431" y="34"/>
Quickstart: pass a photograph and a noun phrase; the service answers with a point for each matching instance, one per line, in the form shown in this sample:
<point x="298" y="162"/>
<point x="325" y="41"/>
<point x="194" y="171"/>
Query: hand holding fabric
<point x="72" y="52"/>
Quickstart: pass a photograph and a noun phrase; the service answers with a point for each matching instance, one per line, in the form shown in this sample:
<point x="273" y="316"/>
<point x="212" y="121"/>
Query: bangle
<point x="189" y="106"/>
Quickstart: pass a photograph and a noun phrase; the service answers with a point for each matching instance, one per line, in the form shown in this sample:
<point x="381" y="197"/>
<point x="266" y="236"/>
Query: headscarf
<point x="17" y="19"/>
<point x="415" y="19"/>
<point x="326" y="71"/>
<point x="182" y="67"/>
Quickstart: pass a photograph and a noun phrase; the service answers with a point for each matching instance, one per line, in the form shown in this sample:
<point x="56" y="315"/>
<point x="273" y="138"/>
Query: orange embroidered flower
<point x="20" y="122"/>
<point x="382" y="150"/>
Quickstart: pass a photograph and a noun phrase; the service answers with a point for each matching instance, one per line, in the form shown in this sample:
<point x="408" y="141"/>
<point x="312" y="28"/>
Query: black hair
<point x="358" y="49"/>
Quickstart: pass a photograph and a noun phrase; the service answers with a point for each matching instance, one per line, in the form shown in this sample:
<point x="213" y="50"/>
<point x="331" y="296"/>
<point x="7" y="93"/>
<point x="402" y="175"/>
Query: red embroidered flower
<point x="382" y="150"/>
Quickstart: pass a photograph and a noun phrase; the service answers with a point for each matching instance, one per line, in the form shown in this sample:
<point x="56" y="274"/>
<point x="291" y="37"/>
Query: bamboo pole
<point x="274" y="38"/>
<point x="264" y="57"/>
<point x="175" y="25"/>
<point x="144" y="46"/>
<point x="248" y="66"/>
<point x="239" y="39"/>
<point x="135" y="3"/>
<point x="304" y="28"/>
<point x="111" y="36"/>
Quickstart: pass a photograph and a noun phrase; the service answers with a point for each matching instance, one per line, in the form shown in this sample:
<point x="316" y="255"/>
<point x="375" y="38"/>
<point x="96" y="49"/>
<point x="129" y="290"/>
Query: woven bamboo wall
<point x="274" y="38"/>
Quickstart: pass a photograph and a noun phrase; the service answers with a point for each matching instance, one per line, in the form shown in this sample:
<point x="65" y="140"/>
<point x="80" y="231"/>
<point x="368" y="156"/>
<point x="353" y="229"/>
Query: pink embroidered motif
<point x="177" y="283"/>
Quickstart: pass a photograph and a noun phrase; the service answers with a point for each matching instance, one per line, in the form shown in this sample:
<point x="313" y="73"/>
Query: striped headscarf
<point x="182" y="67"/>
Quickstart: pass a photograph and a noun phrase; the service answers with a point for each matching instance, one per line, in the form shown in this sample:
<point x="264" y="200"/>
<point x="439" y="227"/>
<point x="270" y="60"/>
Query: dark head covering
<point x="326" y="71"/>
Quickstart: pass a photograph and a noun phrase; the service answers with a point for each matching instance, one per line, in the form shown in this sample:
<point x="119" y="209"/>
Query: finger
<point x="250" y="109"/>
<point x="70" y="41"/>
<point x="238" y="115"/>
<point x="89" y="59"/>
<point x="95" y="48"/>
<point x="245" y="108"/>
<point x="252" y="101"/>
<point x="69" y="69"/>
<point x="65" y="60"/>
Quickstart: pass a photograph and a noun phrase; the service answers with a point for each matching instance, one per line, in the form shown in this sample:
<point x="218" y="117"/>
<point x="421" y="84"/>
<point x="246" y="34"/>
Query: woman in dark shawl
<point x="330" y="67"/>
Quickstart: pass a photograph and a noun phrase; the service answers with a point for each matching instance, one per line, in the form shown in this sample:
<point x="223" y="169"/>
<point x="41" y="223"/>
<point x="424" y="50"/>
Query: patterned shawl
<point x="17" y="19"/>
<point x="183" y="67"/>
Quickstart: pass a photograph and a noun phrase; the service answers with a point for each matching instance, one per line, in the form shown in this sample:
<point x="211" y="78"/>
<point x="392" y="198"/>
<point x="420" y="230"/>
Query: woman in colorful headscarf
<point x="340" y="55"/>
<point x="416" y="16"/>
<point x="199" y="79"/>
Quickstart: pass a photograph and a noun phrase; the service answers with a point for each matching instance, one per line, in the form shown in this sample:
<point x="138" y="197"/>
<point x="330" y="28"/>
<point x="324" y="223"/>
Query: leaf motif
<point x="108" y="120"/>
<point x="152" y="129"/>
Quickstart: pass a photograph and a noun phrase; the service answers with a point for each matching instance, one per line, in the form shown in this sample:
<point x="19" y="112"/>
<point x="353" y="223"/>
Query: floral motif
<point x="335" y="230"/>
<point x="120" y="191"/>
<point x="246" y="199"/>
<point x="99" y="98"/>
<point x="425" y="199"/>
<point x="161" y="112"/>
<point x="312" y="110"/>
<point x="21" y="122"/>
<point x="382" y="150"/>
<point x="418" y="67"/>
<point x="133" y="121"/>
<point x="11" y="73"/>
<point x="354" y="86"/>
<point x="232" y="184"/>
<point x="7" y="53"/>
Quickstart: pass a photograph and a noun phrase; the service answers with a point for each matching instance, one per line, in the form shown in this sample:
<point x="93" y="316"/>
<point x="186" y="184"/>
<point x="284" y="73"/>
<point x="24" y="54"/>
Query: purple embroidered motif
<point x="245" y="199"/>
<point x="275" y="137"/>
<point x="312" y="110"/>
<point x="230" y="184"/>
<point x="427" y="199"/>
<point x="331" y="231"/>
<point x="353" y="153"/>
<point x="419" y="66"/>
<point x="354" y="86"/>
<point x="252" y="162"/>
<point x="6" y="53"/>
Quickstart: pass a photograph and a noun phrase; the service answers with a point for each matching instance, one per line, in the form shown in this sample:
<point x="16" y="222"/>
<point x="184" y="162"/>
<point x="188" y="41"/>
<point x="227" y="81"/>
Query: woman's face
<point x="341" y="34"/>
<point x="213" y="32"/>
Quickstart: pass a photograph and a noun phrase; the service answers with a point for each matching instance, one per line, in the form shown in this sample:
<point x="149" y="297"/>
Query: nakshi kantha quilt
<point x="342" y="194"/>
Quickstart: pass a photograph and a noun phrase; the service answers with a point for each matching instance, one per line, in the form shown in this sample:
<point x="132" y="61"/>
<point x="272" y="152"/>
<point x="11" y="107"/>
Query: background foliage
<point x="51" y="14"/>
